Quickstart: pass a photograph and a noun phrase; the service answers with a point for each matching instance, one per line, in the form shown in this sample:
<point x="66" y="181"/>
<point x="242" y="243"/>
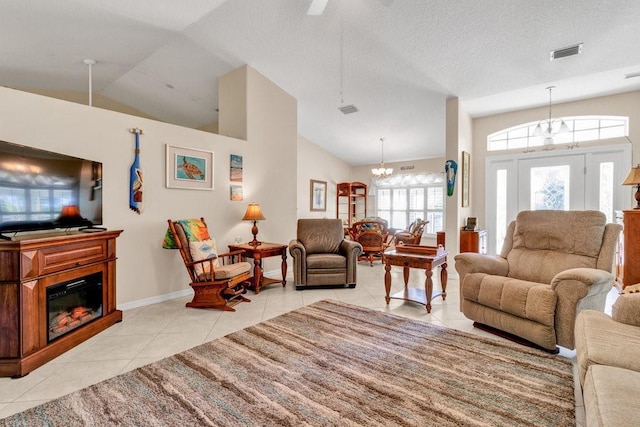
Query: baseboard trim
<point x="154" y="300"/>
<point x="173" y="295"/>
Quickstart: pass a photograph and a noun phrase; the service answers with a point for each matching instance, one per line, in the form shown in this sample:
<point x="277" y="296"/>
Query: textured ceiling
<point x="401" y="59"/>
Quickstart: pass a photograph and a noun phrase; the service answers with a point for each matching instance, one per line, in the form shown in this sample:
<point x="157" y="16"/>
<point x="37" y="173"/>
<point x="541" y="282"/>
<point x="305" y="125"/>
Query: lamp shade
<point x="633" y="178"/>
<point x="70" y="212"/>
<point x="253" y="213"/>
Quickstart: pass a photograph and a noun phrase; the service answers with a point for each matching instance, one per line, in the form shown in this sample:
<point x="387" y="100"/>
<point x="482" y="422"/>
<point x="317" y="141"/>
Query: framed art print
<point x="189" y="168"/>
<point x="318" y="195"/>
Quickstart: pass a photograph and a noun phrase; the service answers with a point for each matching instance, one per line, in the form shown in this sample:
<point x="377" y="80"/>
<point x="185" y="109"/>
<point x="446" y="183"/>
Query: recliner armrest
<point x="296" y="249"/>
<point x="471" y="262"/>
<point x="350" y="248"/>
<point x="577" y="289"/>
<point x="588" y="277"/>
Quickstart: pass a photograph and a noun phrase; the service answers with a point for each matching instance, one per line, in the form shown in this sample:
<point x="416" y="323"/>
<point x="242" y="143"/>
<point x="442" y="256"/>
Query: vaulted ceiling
<point x="396" y="61"/>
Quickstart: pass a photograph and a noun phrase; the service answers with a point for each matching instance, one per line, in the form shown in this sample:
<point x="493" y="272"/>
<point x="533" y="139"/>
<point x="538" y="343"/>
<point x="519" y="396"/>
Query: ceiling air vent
<point x="566" y="51"/>
<point x="348" y="109"/>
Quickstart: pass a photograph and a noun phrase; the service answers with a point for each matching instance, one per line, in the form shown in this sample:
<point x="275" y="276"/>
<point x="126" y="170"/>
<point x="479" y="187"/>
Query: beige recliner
<point x="322" y="256"/>
<point x="553" y="265"/>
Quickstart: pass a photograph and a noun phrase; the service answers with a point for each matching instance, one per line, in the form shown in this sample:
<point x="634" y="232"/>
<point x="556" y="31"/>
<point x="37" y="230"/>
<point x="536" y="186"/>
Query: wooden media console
<point x="28" y="267"/>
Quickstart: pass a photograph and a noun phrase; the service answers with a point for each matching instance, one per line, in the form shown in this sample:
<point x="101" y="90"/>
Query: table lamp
<point x="634" y="179"/>
<point x="254" y="214"/>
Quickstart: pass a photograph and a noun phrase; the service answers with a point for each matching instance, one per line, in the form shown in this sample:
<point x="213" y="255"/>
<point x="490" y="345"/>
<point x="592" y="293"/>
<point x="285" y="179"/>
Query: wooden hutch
<point x="628" y="249"/>
<point x="351" y="204"/>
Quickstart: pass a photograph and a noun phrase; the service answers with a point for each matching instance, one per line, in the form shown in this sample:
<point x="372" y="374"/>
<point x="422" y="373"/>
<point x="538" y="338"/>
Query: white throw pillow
<point x="204" y="250"/>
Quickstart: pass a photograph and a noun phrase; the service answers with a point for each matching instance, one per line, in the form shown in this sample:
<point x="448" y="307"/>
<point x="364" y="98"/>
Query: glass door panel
<point x="555" y="183"/>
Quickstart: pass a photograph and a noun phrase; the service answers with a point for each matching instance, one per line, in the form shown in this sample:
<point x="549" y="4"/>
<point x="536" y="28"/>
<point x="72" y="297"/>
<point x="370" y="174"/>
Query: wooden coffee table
<point x="263" y="250"/>
<point x="415" y="256"/>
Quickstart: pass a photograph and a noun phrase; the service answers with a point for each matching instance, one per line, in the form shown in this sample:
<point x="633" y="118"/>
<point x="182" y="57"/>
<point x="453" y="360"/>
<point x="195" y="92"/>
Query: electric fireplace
<point x="73" y="304"/>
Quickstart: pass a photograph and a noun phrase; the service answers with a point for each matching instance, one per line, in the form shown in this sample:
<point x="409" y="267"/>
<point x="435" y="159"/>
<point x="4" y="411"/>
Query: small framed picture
<point x="318" y="195"/>
<point x="189" y="168"/>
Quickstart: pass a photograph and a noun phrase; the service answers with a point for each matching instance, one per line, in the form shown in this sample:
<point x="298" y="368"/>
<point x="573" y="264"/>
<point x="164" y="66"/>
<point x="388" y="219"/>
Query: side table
<point x="416" y="256"/>
<point x="257" y="253"/>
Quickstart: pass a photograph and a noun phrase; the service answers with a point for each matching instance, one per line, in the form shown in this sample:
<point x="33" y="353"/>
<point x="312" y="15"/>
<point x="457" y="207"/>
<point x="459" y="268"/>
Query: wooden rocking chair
<point x="215" y="284"/>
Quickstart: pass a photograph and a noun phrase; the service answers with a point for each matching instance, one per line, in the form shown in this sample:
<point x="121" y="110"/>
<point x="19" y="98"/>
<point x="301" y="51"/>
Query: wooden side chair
<point x="412" y="235"/>
<point x="216" y="280"/>
<point x="374" y="237"/>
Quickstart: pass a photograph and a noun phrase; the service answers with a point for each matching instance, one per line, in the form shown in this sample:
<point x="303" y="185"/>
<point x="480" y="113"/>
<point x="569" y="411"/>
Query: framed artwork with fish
<point x="189" y="168"/>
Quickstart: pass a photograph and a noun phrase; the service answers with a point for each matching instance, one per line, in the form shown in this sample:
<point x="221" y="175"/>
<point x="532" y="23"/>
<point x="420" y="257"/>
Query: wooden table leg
<point x="405" y="275"/>
<point x="387" y="281"/>
<point x="428" y="288"/>
<point x="443" y="280"/>
<point x="284" y="268"/>
<point x="257" y="272"/>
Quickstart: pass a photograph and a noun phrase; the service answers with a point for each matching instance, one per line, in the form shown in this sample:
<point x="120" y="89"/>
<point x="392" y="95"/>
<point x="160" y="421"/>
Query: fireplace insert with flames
<point x="73" y="304"/>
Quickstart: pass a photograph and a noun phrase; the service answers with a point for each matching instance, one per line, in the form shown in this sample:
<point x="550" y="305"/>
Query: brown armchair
<point x="412" y="235"/>
<point x="374" y="236"/>
<point x="322" y="256"/>
<point x="215" y="284"/>
<point x="553" y="265"/>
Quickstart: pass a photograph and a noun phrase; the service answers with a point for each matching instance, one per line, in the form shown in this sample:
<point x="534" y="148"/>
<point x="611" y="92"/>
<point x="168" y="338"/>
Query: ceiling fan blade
<point x="317" y="7"/>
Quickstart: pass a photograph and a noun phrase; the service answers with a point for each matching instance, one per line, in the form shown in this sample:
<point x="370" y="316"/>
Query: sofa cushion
<point x="611" y="396"/>
<point x="320" y="235"/>
<point x="205" y="249"/>
<point x="527" y="300"/>
<point x="229" y="271"/>
<point x="602" y="341"/>
<point x="626" y="309"/>
<point x="543" y="247"/>
<point x="326" y="261"/>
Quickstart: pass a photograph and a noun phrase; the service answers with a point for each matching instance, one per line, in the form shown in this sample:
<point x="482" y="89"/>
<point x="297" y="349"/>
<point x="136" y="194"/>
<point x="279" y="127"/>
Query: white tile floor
<point x="156" y="331"/>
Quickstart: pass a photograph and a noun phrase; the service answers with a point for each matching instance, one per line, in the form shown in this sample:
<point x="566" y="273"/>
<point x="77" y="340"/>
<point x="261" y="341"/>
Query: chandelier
<point x="382" y="172"/>
<point x="548" y="128"/>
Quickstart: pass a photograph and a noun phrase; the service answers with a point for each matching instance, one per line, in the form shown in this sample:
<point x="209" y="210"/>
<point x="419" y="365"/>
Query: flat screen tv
<point x="41" y="190"/>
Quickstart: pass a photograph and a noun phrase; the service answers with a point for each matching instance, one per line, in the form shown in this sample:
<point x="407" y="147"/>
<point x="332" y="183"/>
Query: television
<point x="42" y="190"/>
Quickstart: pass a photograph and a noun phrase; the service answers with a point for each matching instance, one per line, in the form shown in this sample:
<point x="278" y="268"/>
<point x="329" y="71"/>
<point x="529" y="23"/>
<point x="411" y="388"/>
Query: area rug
<point x="330" y="363"/>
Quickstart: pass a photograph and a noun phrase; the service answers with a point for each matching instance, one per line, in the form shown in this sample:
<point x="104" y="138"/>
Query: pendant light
<point x="381" y="172"/>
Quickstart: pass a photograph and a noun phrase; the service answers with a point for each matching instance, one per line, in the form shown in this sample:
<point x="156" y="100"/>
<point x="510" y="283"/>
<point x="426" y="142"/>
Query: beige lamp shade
<point x="633" y="178"/>
<point x="254" y="213"/>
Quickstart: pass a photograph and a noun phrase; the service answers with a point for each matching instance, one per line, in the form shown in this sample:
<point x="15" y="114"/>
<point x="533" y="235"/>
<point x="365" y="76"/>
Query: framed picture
<point x="236" y="168"/>
<point x="318" y="195"/>
<point x="236" y="193"/>
<point x="189" y="168"/>
<point x="466" y="166"/>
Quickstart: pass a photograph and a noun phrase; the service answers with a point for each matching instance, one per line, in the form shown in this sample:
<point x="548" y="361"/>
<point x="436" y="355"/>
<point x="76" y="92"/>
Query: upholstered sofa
<point x="322" y="256"/>
<point x="553" y="264"/>
<point x="608" y="354"/>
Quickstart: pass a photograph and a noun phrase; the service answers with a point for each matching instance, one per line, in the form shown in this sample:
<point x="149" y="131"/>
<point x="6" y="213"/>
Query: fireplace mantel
<point x="29" y="266"/>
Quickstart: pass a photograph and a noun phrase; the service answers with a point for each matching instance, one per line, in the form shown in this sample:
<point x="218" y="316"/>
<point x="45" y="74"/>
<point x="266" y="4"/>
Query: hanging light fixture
<point x="382" y="172"/>
<point x="548" y="128"/>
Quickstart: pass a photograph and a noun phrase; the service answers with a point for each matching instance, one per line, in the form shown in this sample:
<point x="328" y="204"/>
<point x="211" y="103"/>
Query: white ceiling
<point x="400" y="61"/>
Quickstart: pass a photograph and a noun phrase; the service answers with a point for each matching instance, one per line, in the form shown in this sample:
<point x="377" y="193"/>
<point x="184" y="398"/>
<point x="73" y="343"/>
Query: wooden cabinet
<point x="629" y="252"/>
<point x="619" y="255"/>
<point x="473" y="241"/>
<point x="351" y="204"/>
<point x="30" y="265"/>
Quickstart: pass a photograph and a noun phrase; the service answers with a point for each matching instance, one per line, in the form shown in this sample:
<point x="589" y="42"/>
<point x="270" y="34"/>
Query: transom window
<point x="581" y="129"/>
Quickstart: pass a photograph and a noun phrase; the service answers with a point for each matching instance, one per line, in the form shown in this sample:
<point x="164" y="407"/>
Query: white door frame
<point x="620" y="154"/>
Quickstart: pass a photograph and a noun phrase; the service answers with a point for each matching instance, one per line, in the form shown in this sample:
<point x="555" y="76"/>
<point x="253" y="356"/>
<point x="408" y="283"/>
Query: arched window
<point x="580" y="129"/>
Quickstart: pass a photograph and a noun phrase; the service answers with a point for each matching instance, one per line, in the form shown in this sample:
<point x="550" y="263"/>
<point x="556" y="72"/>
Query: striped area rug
<point x="330" y="363"/>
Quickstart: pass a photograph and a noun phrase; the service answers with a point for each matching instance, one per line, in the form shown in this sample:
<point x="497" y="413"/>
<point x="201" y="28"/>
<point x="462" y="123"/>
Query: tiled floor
<point x="156" y="331"/>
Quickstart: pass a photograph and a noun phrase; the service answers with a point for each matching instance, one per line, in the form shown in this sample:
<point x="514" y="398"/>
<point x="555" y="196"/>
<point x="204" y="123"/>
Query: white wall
<point x="144" y="269"/>
<point x="318" y="164"/>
